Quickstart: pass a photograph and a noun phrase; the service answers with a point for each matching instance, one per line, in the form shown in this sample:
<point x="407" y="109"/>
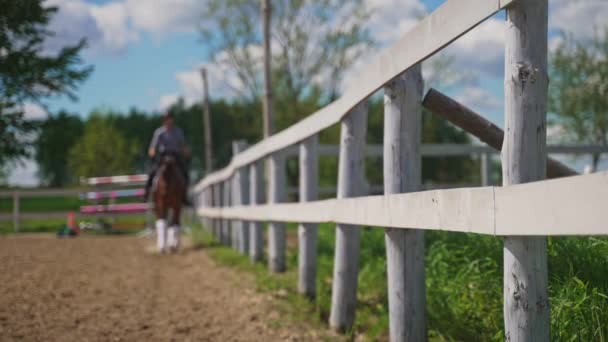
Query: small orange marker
<point x="72" y="223"/>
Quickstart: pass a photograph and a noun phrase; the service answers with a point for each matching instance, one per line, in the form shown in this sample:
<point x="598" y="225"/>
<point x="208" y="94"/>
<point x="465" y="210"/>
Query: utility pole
<point x="267" y="101"/>
<point x="208" y="154"/>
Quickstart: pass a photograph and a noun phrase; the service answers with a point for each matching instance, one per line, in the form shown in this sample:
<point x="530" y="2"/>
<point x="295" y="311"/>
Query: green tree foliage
<point x="28" y="72"/>
<point x="579" y="90"/>
<point x="57" y="136"/>
<point x="138" y="127"/>
<point x="102" y="150"/>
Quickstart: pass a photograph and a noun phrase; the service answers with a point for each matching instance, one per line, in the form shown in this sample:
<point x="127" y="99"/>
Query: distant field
<point x="42" y="204"/>
<point x="46" y="204"/>
<point x="53" y="225"/>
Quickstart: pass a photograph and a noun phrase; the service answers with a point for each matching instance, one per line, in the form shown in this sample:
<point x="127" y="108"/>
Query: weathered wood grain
<point x="240" y="196"/>
<point x="524" y="159"/>
<point x="276" y="229"/>
<point x="402" y="169"/>
<point x="351" y="177"/>
<point x="482" y="210"/>
<point x="307" y="232"/>
<point x="256" y="193"/>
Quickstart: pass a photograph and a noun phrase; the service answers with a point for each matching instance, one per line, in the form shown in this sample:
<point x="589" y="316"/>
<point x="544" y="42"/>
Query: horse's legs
<point x="174" y="229"/>
<point x="161" y="228"/>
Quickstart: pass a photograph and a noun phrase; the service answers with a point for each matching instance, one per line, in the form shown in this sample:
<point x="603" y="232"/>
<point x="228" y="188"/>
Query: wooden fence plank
<point x="307" y="232"/>
<point x="402" y="168"/>
<point x="226" y="229"/>
<point x="240" y="196"/>
<point x="276" y="230"/>
<point x="526" y="294"/>
<point x="217" y="202"/>
<point x="16" y="213"/>
<point x="483" y="129"/>
<point x="256" y="193"/>
<point x="483" y="210"/>
<point x="351" y="177"/>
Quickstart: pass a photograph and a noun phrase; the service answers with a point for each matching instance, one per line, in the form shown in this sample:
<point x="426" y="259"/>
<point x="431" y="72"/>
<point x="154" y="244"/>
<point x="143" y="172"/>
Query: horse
<point x="169" y="188"/>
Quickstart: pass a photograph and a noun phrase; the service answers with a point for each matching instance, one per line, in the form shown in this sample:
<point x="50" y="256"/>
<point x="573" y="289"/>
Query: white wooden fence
<point x="523" y="213"/>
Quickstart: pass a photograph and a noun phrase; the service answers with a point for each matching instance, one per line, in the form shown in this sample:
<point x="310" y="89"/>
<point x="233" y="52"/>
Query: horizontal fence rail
<point x="567" y="206"/>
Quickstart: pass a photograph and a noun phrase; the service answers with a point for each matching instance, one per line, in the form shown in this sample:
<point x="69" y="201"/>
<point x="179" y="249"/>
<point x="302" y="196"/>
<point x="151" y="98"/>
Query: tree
<point x="578" y="93"/>
<point x="57" y="136"/>
<point x="314" y="41"/>
<point x="29" y="72"/>
<point x="102" y="150"/>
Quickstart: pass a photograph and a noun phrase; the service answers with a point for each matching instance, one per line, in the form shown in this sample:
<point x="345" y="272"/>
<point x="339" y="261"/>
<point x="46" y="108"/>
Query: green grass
<point x="42" y="204"/>
<point x="50" y="204"/>
<point x="53" y="225"/>
<point x="464" y="285"/>
<point x="55" y="204"/>
<point x="33" y="226"/>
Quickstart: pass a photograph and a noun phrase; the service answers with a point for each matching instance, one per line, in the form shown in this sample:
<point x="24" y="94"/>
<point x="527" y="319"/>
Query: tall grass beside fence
<point x="464" y="285"/>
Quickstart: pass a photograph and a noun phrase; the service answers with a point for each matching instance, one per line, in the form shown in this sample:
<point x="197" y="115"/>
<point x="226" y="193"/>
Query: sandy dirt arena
<point x="115" y="289"/>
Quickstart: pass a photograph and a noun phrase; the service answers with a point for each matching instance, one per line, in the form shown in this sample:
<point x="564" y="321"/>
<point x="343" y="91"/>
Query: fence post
<point x="256" y="193"/>
<point x="402" y="168"/>
<point x="240" y="196"/>
<point x="307" y="232"/>
<point x="200" y="200"/>
<point x="16" y="214"/>
<point x="217" y="200"/>
<point x="276" y="194"/>
<point x="351" y="178"/>
<point x="234" y="238"/>
<point x="486" y="168"/>
<point x="526" y="301"/>
<point x="208" y="204"/>
<point x="226" y="229"/>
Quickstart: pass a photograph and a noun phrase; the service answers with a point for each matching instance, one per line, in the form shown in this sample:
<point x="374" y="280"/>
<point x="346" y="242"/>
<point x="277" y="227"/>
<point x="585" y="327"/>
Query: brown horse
<point x="168" y="191"/>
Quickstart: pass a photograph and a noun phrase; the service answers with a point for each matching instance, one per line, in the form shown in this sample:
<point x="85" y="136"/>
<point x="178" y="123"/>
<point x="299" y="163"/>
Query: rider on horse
<point x="168" y="139"/>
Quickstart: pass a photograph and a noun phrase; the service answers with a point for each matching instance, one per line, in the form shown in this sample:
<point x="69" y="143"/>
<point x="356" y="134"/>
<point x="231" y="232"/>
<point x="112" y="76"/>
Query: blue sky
<point x="146" y="54"/>
<point x="139" y="73"/>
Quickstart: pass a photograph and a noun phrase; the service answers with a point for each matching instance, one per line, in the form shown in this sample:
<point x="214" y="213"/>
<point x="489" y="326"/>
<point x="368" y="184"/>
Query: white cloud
<point x="479" y="99"/>
<point x="105" y="27"/>
<point x="113" y="20"/>
<point x="72" y="22"/>
<point x="33" y="111"/>
<point x="111" y="27"/>
<point x="392" y="18"/>
<point x="167" y="101"/>
<point x="162" y="16"/>
<point x="24" y="174"/>
<point x="578" y="17"/>
<point x="482" y="49"/>
<point x="222" y="81"/>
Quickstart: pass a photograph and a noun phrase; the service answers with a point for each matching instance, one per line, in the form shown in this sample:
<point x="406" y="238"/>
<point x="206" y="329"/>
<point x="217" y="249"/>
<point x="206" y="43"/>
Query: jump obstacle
<point x="111" y="209"/>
